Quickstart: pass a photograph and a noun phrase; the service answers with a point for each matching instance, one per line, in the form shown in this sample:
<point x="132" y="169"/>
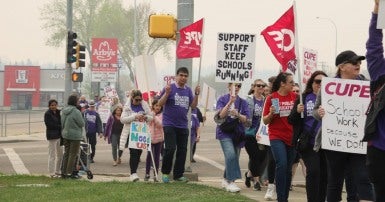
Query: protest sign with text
<point x="345" y="102"/>
<point x="309" y="64"/>
<point x="140" y="137"/>
<point x="235" y="57"/>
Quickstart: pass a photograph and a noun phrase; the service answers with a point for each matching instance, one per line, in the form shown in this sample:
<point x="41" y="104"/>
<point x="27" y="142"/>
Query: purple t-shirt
<point x="137" y="108"/>
<point x="257" y="113"/>
<point x="309" y="103"/>
<point x="239" y="103"/>
<point x="176" y="107"/>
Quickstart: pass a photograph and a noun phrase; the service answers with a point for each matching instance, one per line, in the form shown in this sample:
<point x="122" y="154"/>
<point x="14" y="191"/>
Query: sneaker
<point x="270" y="193"/>
<point x="115" y="163"/>
<point x="156" y="179"/>
<point x="119" y="161"/>
<point x="146" y="177"/>
<point x="134" y="177"/>
<point x="76" y="177"/>
<point x="247" y="180"/>
<point x="224" y="183"/>
<point x="182" y="179"/>
<point x="257" y="186"/>
<point x="165" y="178"/>
<point x="232" y="187"/>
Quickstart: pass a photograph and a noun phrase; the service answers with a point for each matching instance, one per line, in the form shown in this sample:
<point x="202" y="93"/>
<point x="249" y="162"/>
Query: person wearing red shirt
<point x="276" y="110"/>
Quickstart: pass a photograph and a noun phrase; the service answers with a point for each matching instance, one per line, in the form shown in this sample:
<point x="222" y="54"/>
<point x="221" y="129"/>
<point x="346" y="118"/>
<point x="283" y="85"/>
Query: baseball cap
<point x="91" y="103"/>
<point x="348" y="56"/>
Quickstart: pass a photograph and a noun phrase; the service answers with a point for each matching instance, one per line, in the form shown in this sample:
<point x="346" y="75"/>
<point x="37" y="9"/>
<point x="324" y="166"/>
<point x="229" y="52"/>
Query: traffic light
<point x="77" y="76"/>
<point x="162" y="26"/>
<point x="71" y="44"/>
<point x="80" y="56"/>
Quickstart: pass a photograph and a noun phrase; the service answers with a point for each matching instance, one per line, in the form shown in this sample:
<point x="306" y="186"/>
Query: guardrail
<point x="21" y="122"/>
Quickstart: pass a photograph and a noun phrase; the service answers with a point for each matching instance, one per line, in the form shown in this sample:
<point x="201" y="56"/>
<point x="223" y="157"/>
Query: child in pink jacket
<point x="157" y="138"/>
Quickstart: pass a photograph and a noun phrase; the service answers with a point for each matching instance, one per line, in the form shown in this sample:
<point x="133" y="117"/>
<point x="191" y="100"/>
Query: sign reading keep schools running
<point x="235" y="57"/>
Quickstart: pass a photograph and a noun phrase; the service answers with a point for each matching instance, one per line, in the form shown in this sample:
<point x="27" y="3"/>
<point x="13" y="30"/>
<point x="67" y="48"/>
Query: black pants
<point x="175" y="140"/>
<point x="337" y="163"/>
<point x="91" y="137"/>
<point x="376" y="167"/>
<point x="316" y="174"/>
<point x="257" y="157"/>
<point x="134" y="159"/>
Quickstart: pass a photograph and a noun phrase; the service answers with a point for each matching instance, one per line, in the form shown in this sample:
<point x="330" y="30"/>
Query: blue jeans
<point x="231" y="153"/>
<point x="175" y="139"/>
<point x="283" y="156"/>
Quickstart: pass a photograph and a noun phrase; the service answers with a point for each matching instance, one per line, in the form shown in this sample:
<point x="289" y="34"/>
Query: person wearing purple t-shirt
<point x="374" y="127"/>
<point x="176" y="99"/>
<point x="231" y="107"/>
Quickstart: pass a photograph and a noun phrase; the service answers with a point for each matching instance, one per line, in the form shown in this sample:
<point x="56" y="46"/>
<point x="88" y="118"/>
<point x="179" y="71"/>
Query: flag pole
<point x="200" y="54"/>
<point x="298" y="62"/>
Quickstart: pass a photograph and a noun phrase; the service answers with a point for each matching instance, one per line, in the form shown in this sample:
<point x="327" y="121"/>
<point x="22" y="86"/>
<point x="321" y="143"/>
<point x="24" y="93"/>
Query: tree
<point x="104" y="18"/>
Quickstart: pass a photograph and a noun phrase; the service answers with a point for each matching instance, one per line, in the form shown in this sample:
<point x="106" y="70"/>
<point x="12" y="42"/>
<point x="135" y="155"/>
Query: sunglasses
<point x="138" y="100"/>
<point x="238" y="85"/>
<point x="260" y="85"/>
<point x="317" y="81"/>
<point x="296" y="91"/>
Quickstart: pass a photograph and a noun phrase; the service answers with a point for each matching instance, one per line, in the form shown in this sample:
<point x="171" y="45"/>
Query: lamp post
<point x="335" y="29"/>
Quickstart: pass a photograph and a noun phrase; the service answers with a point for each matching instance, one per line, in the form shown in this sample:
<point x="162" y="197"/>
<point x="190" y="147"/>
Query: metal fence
<point x="21" y="122"/>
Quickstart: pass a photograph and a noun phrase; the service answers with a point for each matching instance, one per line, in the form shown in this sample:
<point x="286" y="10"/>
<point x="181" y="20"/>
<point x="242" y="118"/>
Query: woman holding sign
<point x="316" y="173"/>
<point x="135" y="109"/>
<point x="276" y="110"/>
<point x="232" y="111"/>
<point x="348" y="65"/>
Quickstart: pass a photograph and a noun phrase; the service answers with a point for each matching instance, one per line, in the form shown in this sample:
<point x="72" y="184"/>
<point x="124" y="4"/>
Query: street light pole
<point x="335" y="29"/>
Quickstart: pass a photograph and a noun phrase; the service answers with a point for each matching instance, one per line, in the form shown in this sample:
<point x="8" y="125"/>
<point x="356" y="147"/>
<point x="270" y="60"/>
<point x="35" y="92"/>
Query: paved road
<point x="28" y="154"/>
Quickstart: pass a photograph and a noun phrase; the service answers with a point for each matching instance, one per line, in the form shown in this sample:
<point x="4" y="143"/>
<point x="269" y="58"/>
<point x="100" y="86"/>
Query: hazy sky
<point x="22" y="37"/>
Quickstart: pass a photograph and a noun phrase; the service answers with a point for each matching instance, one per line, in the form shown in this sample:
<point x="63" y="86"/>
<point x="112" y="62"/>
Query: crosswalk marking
<point x="16" y="161"/>
<point x="211" y="162"/>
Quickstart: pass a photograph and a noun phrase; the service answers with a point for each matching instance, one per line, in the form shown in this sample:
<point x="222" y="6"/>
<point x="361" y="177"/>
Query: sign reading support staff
<point x="345" y="102"/>
<point x="140" y="136"/>
<point x="235" y="57"/>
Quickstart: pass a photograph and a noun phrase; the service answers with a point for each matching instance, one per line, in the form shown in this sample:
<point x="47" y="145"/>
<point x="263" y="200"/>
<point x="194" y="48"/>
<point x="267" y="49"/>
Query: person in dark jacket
<point x="316" y="173"/>
<point x="374" y="127"/>
<point x="53" y="133"/>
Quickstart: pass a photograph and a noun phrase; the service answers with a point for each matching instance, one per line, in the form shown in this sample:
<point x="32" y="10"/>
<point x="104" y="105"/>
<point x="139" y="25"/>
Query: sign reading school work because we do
<point x="345" y="103"/>
<point x="235" y="57"/>
<point x="140" y="137"/>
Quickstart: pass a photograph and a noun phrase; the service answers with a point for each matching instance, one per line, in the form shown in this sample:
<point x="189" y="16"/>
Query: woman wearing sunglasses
<point x="315" y="162"/>
<point x="231" y="109"/>
<point x="338" y="163"/>
<point x="135" y="109"/>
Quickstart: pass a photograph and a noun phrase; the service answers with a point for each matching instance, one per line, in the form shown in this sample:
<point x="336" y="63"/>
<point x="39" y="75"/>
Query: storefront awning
<point x="51" y="90"/>
<point x="22" y="89"/>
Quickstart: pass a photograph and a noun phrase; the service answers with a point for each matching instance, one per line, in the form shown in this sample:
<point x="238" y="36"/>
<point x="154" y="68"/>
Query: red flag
<point x="189" y="45"/>
<point x="280" y="38"/>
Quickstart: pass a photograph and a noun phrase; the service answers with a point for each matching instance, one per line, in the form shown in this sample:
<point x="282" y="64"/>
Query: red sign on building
<point x="21" y="86"/>
<point x="105" y="50"/>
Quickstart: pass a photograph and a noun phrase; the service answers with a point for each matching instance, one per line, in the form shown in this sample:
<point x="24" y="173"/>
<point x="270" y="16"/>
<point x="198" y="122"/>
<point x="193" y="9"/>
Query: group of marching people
<point x="287" y="117"/>
<point x="166" y="119"/>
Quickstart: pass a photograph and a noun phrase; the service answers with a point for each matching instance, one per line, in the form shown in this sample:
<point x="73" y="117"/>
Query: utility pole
<point x="68" y="68"/>
<point x="185" y="16"/>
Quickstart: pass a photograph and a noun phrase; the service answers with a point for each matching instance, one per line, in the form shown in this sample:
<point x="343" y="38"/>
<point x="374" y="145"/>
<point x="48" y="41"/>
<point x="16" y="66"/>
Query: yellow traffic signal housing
<point x="80" y="56"/>
<point x="77" y="77"/>
<point x="162" y="26"/>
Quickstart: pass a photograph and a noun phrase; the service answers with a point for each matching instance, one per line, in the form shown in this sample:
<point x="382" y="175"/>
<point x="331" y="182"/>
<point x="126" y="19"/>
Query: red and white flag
<point x="280" y="37"/>
<point x="190" y="42"/>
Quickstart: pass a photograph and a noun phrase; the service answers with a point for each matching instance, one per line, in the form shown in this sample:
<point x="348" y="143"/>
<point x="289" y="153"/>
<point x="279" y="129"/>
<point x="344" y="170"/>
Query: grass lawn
<point x="41" y="188"/>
